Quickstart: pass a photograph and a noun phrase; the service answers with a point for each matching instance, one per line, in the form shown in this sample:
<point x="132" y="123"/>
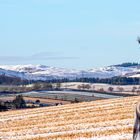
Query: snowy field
<point x="77" y="93"/>
<point x="98" y="86"/>
<point x="110" y="119"/>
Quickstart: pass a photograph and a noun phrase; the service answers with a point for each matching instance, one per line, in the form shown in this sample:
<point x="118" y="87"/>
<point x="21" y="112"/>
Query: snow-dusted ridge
<point x="42" y="72"/>
<point x="12" y="73"/>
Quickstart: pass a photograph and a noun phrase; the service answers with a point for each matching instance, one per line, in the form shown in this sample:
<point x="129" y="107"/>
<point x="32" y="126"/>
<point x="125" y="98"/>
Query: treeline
<point x="17" y="103"/>
<point x="46" y="86"/>
<point x="113" y="81"/>
<point x="7" y="80"/>
<point x="128" y="64"/>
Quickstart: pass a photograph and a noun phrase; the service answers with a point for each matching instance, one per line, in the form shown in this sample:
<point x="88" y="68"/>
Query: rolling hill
<point x="41" y="72"/>
<point x="103" y="120"/>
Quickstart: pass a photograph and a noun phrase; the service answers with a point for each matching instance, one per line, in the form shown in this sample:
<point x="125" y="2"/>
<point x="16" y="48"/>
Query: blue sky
<point x="69" y="33"/>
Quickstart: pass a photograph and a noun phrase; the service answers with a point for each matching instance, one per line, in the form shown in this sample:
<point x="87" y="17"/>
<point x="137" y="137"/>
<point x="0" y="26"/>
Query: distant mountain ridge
<point x="42" y="72"/>
<point x="127" y="64"/>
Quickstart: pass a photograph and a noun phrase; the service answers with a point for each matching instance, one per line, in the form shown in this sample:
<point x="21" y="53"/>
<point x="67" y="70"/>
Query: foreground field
<point x="103" y="119"/>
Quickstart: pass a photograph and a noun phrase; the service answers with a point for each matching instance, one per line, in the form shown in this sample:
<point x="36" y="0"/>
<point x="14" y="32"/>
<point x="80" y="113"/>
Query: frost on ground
<point x="110" y="137"/>
<point x="110" y="119"/>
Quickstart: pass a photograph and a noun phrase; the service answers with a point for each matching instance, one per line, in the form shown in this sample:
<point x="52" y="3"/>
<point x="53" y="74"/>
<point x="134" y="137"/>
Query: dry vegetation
<point x="42" y="100"/>
<point x="111" y="118"/>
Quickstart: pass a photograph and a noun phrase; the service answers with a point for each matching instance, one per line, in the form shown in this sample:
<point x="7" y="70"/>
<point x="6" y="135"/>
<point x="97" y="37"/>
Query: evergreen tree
<point x="19" y="102"/>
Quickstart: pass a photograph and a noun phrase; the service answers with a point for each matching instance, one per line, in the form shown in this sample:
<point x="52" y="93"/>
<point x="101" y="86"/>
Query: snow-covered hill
<point x="41" y="72"/>
<point x="12" y="73"/>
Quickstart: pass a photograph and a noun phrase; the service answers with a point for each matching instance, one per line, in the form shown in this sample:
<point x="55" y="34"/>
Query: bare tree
<point x="93" y="87"/>
<point x="36" y="86"/>
<point x="79" y="87"/>
<point x="110" y="89"/>
<point x="134" y="89"/>
<point x="120" y="89"/>
<point x="101" y="90"/>
<point x="87" y="86"/>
